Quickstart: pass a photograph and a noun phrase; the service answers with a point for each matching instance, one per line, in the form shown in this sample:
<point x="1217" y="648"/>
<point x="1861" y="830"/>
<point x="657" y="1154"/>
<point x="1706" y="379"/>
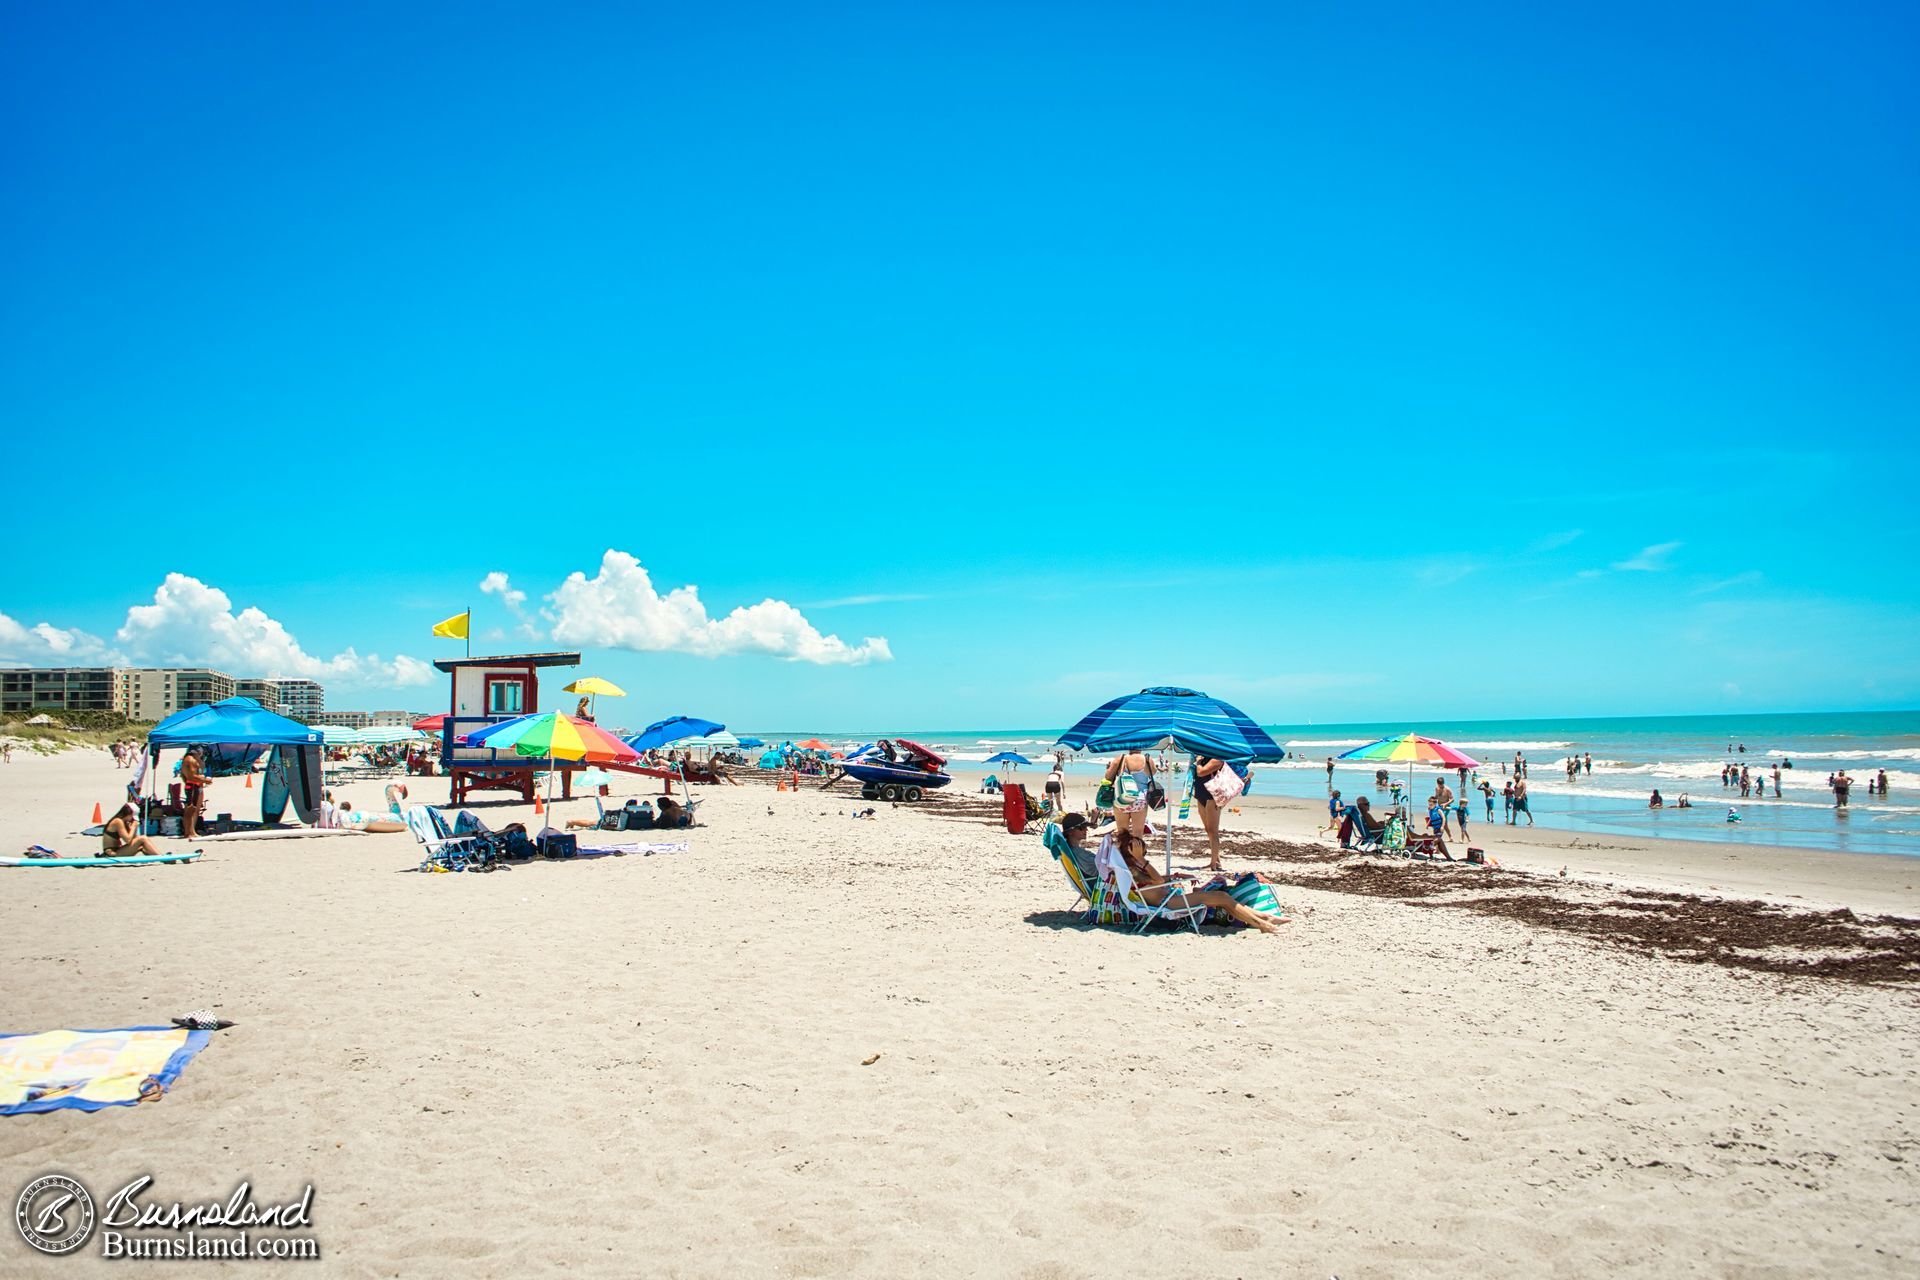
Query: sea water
<point x="1631" y="758"/>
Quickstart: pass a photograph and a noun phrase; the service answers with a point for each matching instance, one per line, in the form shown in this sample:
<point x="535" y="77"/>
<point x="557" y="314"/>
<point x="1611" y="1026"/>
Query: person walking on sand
<point x="1520" y="804"/>
<point x="1333" y="813"/>
<point x="1444" y="796"/>
<point x="1460" y="807"/>
<point x="1056" y="788"/>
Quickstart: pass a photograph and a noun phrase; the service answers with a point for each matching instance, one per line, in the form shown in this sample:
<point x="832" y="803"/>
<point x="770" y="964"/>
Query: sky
<point x="964" y="366"/>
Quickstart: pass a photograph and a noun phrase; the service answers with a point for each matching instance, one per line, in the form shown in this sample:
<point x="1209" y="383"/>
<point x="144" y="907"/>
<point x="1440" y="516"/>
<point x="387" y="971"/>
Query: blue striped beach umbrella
<point x="1190" y="720"/>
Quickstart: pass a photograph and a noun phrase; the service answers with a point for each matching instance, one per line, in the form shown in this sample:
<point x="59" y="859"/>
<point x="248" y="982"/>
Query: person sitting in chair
<point x="669" y="812"/>
<point x="1362" y="823"/>
<point x="1075" y="831"/>
<point x="1122" y="861"/>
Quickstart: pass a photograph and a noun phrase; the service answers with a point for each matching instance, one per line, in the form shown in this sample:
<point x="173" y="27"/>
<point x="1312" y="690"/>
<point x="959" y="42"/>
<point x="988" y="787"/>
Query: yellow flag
<point x="454" y="627"/>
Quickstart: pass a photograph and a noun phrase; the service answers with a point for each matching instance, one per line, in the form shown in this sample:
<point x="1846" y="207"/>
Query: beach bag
<point x="1257" y="895"/>
<point x="559" y="846"/>
<point x="1225" y="785"/>
<point x="1103" y="798"/>
<point x="1156" y="796"/>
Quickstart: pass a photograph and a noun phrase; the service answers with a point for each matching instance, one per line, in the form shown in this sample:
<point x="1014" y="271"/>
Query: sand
<point x="659" y="1065"/>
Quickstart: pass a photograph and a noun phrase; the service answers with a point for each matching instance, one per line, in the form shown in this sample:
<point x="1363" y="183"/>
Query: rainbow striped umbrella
<point x="552" y="736"/>
<point x="1412" y="749"/>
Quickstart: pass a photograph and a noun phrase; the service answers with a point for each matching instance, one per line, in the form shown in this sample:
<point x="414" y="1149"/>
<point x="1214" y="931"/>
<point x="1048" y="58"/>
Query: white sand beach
<point x="819" y="1046"/>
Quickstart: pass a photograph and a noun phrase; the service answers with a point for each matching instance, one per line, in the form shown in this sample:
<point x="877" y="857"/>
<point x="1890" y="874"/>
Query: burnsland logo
<point x="56" y="1215"/>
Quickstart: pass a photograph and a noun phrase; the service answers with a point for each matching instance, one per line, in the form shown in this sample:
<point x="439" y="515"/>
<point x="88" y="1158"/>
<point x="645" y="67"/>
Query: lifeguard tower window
<point x="506" y="695"/>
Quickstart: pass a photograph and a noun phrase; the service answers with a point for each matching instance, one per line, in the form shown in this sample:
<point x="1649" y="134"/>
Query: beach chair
<point x="444" y="849"/>
<point x="1128" y="898"/>
<point x="1362" y="837"/>
<point x="1101" y="909"/>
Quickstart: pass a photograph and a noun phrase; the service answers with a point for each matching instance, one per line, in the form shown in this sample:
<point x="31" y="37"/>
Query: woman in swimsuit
<point x="118" y="838"/>
<point x="1205" y="767"/>
<point x="1124" y="863"/>
<point x="1131" y="774"/>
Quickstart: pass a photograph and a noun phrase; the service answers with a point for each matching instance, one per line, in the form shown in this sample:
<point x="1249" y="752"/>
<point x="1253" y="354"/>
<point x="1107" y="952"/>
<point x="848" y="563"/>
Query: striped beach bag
<point x="1258" y="895"/>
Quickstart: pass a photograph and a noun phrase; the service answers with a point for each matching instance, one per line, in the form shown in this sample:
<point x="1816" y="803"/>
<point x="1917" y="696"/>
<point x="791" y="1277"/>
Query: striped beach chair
<point x="1101" y="908"/>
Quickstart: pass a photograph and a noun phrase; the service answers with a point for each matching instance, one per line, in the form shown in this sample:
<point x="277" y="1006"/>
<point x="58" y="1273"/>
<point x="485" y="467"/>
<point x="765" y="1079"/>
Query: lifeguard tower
<point x="487" y="690"/>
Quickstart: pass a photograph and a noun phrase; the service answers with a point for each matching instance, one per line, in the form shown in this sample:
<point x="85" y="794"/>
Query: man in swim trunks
<point x="1520" y="801"/>
<point x="193" y="789"/>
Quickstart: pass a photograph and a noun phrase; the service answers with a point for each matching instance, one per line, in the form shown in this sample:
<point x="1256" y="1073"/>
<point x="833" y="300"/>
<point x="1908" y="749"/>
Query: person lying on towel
<point x="1123" y="862"/>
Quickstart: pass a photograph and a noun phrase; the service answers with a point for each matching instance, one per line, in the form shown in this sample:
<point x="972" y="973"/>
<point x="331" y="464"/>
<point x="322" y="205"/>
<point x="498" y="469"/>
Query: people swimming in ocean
<point x="1733" y="815"/>
<point x="1685" y="802"/>
<point x="1655" y="802"/>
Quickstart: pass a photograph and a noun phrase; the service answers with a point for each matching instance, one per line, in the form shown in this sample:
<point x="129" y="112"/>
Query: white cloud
<point x="496" y="584"/>
<point x="1743" y="579"/>
<point x="1651" y="559"/>
<point x="191" y="623"/>
<point x="878" y="598"/>
<point x="43" y="643"/>
<point x="619" y="608"/>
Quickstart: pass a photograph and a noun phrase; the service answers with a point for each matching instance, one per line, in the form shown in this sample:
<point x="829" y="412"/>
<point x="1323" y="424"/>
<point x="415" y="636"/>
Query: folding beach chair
<point x="1363" y="838"/>
<point x="1101" y="908"/>
<point x="444" y="849"/>
<point x="1129" y="899"/>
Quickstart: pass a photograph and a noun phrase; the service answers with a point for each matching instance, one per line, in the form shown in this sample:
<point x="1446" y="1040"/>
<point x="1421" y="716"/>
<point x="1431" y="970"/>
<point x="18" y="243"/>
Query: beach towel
<point x="89" y="1070"/>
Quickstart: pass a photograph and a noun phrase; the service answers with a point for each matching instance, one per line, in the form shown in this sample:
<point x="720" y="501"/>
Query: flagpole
<point x="469" y="631"/>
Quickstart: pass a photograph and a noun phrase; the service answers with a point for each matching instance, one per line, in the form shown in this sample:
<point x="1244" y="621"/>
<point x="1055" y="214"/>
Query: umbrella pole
<point x="1171" y="811"/>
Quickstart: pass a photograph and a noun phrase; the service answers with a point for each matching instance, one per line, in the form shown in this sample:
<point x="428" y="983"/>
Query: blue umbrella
<point x="1195" y="723"/>
<point x="1008" y="757"/>
<point x="672" y="729"/>
<point x="753" y="742"/>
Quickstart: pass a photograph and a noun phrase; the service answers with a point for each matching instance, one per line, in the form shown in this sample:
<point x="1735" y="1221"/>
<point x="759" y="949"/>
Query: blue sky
<point x="1383" y="363"/>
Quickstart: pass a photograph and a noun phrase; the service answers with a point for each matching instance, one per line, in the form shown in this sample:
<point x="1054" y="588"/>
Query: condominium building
<point x="58" y="689"/>
<point x="302" y="700"/>
<point x="150" y="693"/>
<point x="392" y="719"/>
<point x="348" y="719"/>
<point x="264" y="692"/>
<point x="153" y="693"/>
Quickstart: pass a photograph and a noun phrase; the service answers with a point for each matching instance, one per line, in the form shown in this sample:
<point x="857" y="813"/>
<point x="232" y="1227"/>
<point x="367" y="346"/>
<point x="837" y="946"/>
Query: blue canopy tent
<point x="1189" y="720"/>
<point x="672" y="729"/>
<point x="243" y="726"/>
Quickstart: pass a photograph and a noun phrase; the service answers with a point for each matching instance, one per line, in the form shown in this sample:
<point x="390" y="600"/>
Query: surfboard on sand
<point x="145" y="860"/>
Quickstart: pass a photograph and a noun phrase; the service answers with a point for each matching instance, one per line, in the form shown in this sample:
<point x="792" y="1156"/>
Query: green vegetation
<point x="72" y="729"/>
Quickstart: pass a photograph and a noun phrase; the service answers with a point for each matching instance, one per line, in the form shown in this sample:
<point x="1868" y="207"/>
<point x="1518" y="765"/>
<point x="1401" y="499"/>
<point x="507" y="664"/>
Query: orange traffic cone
<point x="538" y="807"/>
<point x="97" y="819"/>
<point x="249" y="782"/>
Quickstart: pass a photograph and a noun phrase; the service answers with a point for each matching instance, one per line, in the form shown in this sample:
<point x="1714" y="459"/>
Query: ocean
<point x="1631" y="757"/>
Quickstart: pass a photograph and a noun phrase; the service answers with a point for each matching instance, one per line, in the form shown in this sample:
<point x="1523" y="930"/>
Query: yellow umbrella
<point x="594" y="686"/>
